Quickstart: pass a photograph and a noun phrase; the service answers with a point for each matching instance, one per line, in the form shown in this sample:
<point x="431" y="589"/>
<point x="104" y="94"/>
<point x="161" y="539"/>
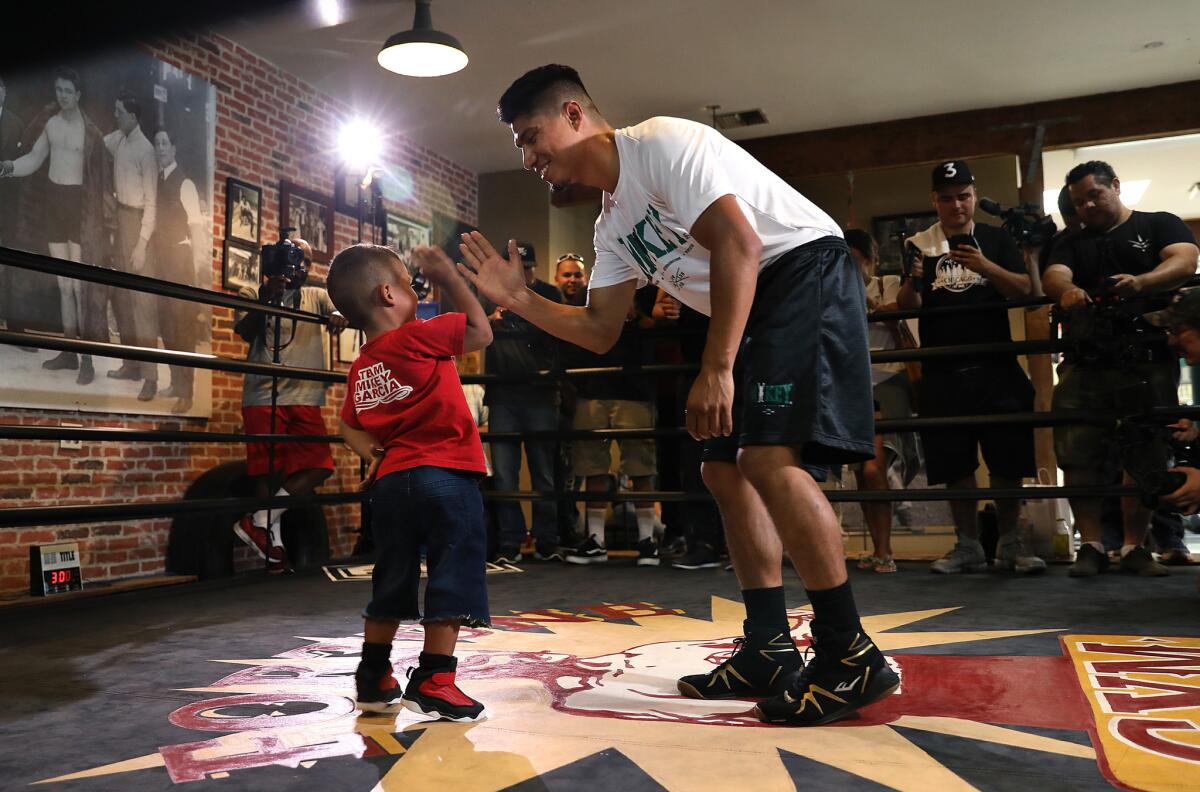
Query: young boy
<point x="405" y="414"/>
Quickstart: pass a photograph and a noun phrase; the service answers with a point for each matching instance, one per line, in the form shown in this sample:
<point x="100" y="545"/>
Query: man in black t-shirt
<point x="1135" y="255"/>
<point x="982" y="267"/>
<point x="520" y="348"/>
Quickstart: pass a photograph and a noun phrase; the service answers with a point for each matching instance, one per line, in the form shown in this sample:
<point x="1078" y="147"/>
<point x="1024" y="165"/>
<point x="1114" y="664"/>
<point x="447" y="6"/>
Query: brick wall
<point x="270" y="126"/>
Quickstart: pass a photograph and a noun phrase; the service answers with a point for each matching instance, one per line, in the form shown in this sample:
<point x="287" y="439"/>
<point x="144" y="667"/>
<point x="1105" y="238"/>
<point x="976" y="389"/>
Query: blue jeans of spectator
<point x="506" y="471"/>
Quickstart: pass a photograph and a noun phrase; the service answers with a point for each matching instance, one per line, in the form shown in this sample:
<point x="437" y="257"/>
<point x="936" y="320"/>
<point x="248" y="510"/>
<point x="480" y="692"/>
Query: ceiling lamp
<point x="422" y="51"/>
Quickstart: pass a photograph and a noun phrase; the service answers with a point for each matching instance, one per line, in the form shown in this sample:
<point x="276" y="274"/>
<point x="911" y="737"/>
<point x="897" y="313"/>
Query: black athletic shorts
<point x="951" y="454"/>
<point x="64" y="212"/>
<point x="802" y="377"/>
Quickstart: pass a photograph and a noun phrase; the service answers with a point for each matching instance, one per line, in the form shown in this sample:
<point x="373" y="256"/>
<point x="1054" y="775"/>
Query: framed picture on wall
<point x="890" y="232"/>
<point x="402" y="234"/>
<point x="311" y="215"/>
<point x="239" y="266"/>
<point x="243" y="211"/>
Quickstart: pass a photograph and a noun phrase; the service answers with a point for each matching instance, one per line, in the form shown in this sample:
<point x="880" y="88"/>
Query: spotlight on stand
<point x="360" y="146"/>
<point x="422" y="51"/>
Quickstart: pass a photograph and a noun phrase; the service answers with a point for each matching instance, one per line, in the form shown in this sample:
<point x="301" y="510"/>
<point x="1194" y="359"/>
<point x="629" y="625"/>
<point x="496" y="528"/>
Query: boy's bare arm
<point x="438" y="267"/>
<point x="364" y="444"/>
<point x="360" y="442"/>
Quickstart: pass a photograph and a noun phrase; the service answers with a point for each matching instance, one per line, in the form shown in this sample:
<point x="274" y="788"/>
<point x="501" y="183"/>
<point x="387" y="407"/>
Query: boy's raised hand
<point x="434" y="264"/>
<point x="499" y="279"/>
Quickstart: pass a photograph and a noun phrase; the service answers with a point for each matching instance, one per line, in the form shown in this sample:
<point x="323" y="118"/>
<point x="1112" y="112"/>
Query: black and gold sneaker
<point x="761" y="665"/>
<point x="840" y="678"/>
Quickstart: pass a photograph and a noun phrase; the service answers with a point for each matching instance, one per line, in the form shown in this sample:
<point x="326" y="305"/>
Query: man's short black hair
<point x="163" y="130"/>
<point x="1101" y="170"/>
<point x="1066" y="207"/>
<point x="535" y="89"/>
<point x="70" y="75"/>
<point x="131" y="104"/>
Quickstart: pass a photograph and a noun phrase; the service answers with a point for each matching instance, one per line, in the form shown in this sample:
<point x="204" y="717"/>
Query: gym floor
<point x="246" y="684"/>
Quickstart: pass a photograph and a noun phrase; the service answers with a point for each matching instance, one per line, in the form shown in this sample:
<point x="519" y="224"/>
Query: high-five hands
<point x="499" y="279"/>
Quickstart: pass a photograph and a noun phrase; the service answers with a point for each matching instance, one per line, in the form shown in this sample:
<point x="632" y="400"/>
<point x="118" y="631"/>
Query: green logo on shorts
<point x="777" y="395"/>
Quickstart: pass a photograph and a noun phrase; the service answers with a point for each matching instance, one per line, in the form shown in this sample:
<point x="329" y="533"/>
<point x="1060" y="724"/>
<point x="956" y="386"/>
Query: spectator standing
<point x="520" y="348"/>
<point x="1135" y="255"/>
<point x="958" y="262"/>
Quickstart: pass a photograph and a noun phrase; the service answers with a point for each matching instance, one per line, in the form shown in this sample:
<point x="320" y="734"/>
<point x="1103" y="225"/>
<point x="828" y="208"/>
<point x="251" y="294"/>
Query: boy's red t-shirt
<point x="403" y="389"/>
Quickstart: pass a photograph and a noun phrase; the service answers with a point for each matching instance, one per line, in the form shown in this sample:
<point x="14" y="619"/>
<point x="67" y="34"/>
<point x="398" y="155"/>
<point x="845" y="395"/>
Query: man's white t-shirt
<point x="671" y="171"/>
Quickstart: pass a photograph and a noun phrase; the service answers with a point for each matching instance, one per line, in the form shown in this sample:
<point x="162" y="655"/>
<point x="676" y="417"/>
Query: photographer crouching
<point x="1134" y="257"/>
<point x="297" y="403"/>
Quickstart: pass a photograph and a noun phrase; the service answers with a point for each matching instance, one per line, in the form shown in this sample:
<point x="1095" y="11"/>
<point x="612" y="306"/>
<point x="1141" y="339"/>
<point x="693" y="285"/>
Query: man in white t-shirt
<point x="695" y="214"/>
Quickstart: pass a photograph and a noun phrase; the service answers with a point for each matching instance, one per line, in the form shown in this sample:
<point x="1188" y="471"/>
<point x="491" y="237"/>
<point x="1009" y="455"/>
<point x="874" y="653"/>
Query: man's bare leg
<point x="1091" y="557"/>
<point x="770" y="659"/>
<point x="800" y="512"/>
<point x="754" y="546"/>
<point x="847" y="670"/>
<point x="1135" y="557"/>
<point x="71" y="311"/>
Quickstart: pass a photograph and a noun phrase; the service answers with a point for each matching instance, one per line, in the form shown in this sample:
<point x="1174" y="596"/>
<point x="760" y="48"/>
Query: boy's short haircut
<point x="354" y="274"/>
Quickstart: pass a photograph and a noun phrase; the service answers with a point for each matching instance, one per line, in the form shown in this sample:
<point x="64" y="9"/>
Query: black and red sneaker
<point x="375" y="693"/>
<point x="278" y="562"/>
<point x="433" y="692"/>
<point x="252" y="535"/>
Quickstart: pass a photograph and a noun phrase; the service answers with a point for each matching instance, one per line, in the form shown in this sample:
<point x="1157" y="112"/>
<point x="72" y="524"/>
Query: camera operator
<point x="1133" y="255"/>
<point x="1182" y="323"/>
<point x="298" y="402"/>
<point x="954" y="262"/>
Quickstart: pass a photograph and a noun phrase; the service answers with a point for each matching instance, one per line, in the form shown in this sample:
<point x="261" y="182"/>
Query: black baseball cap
<point x="952" y="172"/>
<point x="1184" y="311"/>
<point x="525" y="251"/>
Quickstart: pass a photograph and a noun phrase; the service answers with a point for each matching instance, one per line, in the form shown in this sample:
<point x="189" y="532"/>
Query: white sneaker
<point x="1011" y="556"/>
<point x="965" y="556"/>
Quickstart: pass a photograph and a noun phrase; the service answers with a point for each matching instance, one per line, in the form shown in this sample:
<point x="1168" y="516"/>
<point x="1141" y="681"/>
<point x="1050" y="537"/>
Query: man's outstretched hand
<point x="501" y="280"/>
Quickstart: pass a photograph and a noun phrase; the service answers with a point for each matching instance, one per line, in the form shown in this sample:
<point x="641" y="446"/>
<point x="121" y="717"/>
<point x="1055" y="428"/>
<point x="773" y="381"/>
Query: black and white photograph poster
<point x="310" y="214"/>
<point x="243" y="212"/>
<point x="403" y="235"/>
<point x="57" y="202"/>
<point x="241" y="269"/>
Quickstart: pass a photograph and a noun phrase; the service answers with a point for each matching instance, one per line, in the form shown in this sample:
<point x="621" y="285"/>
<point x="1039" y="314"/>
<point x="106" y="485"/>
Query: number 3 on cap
<point x="951" y="171"/>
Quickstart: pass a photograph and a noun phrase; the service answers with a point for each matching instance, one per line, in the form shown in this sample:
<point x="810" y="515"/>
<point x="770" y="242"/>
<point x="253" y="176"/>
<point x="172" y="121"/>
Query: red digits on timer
<point x="57" y="578"/>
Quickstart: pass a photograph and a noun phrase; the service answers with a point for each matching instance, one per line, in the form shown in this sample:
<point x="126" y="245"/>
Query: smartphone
<point x="911" y="254"/>
<point x="961" y="239"/>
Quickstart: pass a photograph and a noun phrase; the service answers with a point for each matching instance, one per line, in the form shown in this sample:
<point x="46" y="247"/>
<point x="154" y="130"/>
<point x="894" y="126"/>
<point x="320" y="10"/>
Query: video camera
<point x="1109" y="331"/>
<point x="284" y="259"/>
<point x="1135" y="429"/>
<point x="1025" y="223"/>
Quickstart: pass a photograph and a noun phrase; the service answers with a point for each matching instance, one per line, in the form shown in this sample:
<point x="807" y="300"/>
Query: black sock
<point x="438" y="662"/>
<point x="376" y="656"/>
<point x="834" y="611"/>
<point x="766" y="609"/>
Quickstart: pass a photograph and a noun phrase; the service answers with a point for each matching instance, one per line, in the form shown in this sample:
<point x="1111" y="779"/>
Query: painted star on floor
<point x="566" y="688"/>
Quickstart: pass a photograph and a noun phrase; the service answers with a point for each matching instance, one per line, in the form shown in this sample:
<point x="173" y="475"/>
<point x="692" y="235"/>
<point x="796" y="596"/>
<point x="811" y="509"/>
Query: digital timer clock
<point x="54" y="569"/>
